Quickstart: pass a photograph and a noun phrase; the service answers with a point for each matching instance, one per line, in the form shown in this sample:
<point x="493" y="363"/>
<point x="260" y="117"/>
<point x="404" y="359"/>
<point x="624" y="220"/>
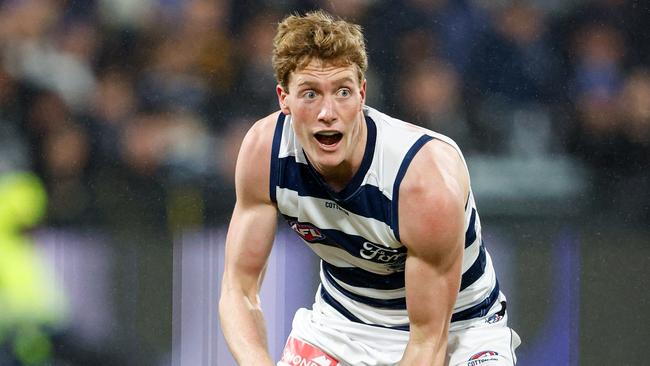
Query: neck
<point x="338" y="178"/>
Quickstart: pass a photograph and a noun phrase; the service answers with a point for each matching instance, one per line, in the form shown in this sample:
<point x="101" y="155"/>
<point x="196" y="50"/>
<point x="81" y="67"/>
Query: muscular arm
<point x="248" y="245"/>
<point x="431" y="209"/>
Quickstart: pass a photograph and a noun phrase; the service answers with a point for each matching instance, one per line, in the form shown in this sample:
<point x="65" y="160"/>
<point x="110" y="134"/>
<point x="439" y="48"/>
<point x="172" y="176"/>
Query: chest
<point x="351" y="233"/>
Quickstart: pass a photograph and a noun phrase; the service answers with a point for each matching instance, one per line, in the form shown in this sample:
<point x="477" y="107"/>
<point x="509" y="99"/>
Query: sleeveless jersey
<point x="355" y="231"/>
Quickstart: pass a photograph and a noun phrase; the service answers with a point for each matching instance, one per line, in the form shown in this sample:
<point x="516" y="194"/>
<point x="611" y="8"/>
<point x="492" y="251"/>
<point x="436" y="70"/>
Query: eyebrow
<point x="337" y="81"/>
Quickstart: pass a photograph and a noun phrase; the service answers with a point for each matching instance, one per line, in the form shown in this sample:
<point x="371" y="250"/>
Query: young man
<point x="405" y="278"/>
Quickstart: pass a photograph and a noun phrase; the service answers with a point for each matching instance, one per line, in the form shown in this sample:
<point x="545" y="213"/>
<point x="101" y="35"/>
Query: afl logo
<point x="308" y="232"/>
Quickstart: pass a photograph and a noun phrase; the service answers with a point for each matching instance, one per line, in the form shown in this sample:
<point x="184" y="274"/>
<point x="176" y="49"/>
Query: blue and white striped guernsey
<point x="355" y="231"/>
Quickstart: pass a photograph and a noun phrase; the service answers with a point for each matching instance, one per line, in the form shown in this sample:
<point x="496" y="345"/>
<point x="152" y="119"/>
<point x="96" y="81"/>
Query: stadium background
<point x="130" y="114"/>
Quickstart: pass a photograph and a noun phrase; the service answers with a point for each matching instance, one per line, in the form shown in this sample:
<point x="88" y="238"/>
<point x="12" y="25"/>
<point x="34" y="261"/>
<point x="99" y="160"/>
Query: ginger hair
<point x="317" y="35"/>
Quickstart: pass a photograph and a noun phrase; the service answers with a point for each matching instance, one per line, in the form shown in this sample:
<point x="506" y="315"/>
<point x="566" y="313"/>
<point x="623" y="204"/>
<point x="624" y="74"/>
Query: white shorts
<point x="323" y="337"/>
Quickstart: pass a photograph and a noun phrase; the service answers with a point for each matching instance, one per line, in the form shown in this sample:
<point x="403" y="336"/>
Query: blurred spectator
<point x="192" y="63"/>
<point x="114" y="104"/>
<point x="255" y="78"/>
<point x="432" y="99"/>
<point x="402" y="35"/>
<point x="511" y="80"/>
<point x="611" y="130"/>
<point x="599" y="52"/>
<point x="171" y="80"/>
<point x="635" y="106"/>
<point x="635" y="98"/>
<point x="14" y="148"/>
<point x="66" y="154"/>
<point x="598" y="56"/>
<point x="613" y="137"/>
<point x="515" y="61"/>
<point x="45" y="55"/>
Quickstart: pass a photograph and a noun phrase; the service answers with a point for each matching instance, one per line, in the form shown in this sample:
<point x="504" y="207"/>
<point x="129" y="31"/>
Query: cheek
<point x="301" y="111"/>
<point x="301" y="130"/>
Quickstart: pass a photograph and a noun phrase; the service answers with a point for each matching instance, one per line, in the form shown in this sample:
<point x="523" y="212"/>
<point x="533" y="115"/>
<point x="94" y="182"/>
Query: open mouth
<point x="328" y="138"/>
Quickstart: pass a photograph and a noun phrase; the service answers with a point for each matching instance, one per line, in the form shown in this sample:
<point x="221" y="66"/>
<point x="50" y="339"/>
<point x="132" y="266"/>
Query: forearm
<point x="429" y="354"/>
<point x="242" y="323"/>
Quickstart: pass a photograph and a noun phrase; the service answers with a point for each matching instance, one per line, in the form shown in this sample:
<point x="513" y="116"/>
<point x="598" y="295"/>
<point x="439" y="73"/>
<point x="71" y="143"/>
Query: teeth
<point x="328" y="133"/>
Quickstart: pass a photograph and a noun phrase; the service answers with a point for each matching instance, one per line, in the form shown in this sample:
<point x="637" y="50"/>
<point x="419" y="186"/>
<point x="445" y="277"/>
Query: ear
<point x="282" y="99"/>
<point x="362" y="91"/>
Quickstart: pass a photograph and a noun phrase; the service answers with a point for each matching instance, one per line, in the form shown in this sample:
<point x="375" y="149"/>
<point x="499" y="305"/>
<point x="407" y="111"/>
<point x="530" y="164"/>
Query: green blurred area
<point x="31" y="304"/>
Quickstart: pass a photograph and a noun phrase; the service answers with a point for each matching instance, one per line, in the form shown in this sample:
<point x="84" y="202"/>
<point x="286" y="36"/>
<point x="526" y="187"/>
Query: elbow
<point x="234" y="297"/>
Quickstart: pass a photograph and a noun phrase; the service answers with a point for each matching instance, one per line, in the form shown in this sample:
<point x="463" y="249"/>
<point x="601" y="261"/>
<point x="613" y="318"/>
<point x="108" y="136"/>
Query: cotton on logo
<point x="306" y="231"/>
<point x="483" y="357"/>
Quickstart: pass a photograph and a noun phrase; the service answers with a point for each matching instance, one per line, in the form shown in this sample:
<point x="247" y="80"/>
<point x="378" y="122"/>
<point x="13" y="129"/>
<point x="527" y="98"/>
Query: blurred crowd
<point x="132" y="111"/>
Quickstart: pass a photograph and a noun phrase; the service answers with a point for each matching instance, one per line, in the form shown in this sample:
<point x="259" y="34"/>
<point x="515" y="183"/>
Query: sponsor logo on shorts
<point x="299" y="353"/>
<point x="483" y="357"/>
<point x="497" y="316"/>
<point x="306" y="231"/>
<point x="494" y="318"/>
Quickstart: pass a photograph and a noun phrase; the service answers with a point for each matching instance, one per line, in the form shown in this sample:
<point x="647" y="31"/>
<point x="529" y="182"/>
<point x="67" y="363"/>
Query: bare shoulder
<point x="260" y="135"/>
<point x="432" y="195"/>
<point x="437" y="171"/>
<point x="254" y="159"/>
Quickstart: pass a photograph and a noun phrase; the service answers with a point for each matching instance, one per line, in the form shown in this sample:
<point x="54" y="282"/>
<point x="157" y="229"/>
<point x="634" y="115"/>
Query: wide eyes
<point x="309" y="94"/>
<point x="342" y="93"/>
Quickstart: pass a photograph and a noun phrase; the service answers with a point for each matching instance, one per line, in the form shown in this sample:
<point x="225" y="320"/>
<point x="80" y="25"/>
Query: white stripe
<point x="372" y="292"/>
<point x="367" y="313"/>
<point x="479" y="290"/>
<point x="470" y="255"/>
<point x="393" y="142"/>
<point x="314" y="211"/>
<point x="288" y="145"/>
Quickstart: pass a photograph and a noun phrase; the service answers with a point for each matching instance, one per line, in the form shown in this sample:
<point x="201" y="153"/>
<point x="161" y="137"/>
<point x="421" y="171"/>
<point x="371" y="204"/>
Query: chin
<point x="327" y="161"/>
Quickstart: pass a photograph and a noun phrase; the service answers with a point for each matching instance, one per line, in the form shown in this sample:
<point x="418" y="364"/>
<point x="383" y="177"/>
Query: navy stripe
<point x="368" y="154"/>
<point x="480" y="309"/>
<point x="475" y="271"/>
<point x="337" y="305"/>
<point x="360" y="278"/>
<point x="398" y="180"/>
<point x="346" y="313"/>
<point x="354" y="276"/>
<point x="470" y="234"/>
<point x="395" y="304"/>
<point x="368" y="200"/>
<point x="353" y="244"/>
<point x="297" y="177"/>
<point x="275" y="152"/>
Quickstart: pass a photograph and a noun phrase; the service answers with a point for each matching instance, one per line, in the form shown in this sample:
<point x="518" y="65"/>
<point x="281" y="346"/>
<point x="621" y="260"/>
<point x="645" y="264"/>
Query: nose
<point x="327" y="113"/>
